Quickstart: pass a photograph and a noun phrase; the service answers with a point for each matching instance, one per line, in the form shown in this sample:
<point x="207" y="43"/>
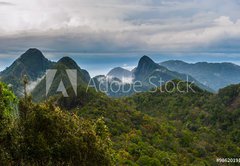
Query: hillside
<point x="166" y="128"/>
<point x="32" y="63"/>
<point x="153" y="75"/>
<point x="42" y="134"/>
<point x="149" y="128"/>
<point x="214" y="75"/>
<point x="61" y="77"/>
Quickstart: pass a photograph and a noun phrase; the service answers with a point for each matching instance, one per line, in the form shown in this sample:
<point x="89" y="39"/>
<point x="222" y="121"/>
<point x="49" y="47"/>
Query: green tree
<point x="8" y="113"/>
<point x="51" y="136"/>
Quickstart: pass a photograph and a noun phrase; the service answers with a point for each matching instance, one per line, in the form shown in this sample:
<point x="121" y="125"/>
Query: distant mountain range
<point x="213" y="75"/>
<point x="150" y="73"/>
<point x="207" y="76"/>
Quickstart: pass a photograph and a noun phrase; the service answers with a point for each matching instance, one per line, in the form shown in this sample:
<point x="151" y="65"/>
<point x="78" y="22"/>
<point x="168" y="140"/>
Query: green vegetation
<point x="32" y="63"/>
<point x="61" y="66"/>
<point x="7" y="123"/>
<point x="148" y="128"/>
<point x="164" y="128"/>
<point x="43" y="134"/>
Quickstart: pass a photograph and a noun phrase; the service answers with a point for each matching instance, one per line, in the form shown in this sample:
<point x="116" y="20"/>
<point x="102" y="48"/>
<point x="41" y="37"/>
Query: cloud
<point x="2" y="3"/>
<point x="90" y="26"/>
<point x="33" y="84"/>
<point x="128" y="67"/>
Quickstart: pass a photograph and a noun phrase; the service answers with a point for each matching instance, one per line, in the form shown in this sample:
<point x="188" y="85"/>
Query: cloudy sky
<point x="117" y="32"/>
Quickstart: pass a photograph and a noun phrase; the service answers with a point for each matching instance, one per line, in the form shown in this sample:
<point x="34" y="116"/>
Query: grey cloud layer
<point x="121" y="26"/>
<point x="2" y="3"/>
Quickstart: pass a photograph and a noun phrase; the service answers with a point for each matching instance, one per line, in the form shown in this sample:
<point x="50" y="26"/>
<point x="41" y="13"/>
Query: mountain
<point x="61" y="78"/>
<point x="120" y="73"/>
<point x="146" y="76"/>
<point x="213" y="75"/>
<point x="112" y="86"/>
<point x="32" y="63"/>
<point x="117" y="83"/>
<point x="145" y="67"/>
<point x="69" y="63"/>
<point x="148" y="128"/>
<point x="153" y="75"/>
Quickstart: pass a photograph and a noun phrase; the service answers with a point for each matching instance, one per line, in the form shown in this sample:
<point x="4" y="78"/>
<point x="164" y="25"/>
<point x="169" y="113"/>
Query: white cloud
<point x="221" y="29"/>
<point x="33" y="84"/>
<point x="120" y="25"/>
<point x="223" y="21"/>
<point x="128" y="67"/>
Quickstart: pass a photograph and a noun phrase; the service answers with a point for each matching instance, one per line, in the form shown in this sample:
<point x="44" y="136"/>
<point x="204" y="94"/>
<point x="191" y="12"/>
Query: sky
<point x="104" y="34"/>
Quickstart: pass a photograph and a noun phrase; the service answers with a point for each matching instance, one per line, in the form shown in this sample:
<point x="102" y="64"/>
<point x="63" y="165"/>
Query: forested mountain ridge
<point x="82" y="78"/>
<point x="214" y="75"/>
<point x="163" y="128"/>
<point x="209" y="76"/>
<point x="146" y="76"/>
<point x="32" y="63"/>
<point x="153" y="75"/>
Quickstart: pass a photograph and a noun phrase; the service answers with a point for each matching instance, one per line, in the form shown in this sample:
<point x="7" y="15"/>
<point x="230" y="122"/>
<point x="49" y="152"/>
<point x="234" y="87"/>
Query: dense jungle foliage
<point x="151" y="128"/>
